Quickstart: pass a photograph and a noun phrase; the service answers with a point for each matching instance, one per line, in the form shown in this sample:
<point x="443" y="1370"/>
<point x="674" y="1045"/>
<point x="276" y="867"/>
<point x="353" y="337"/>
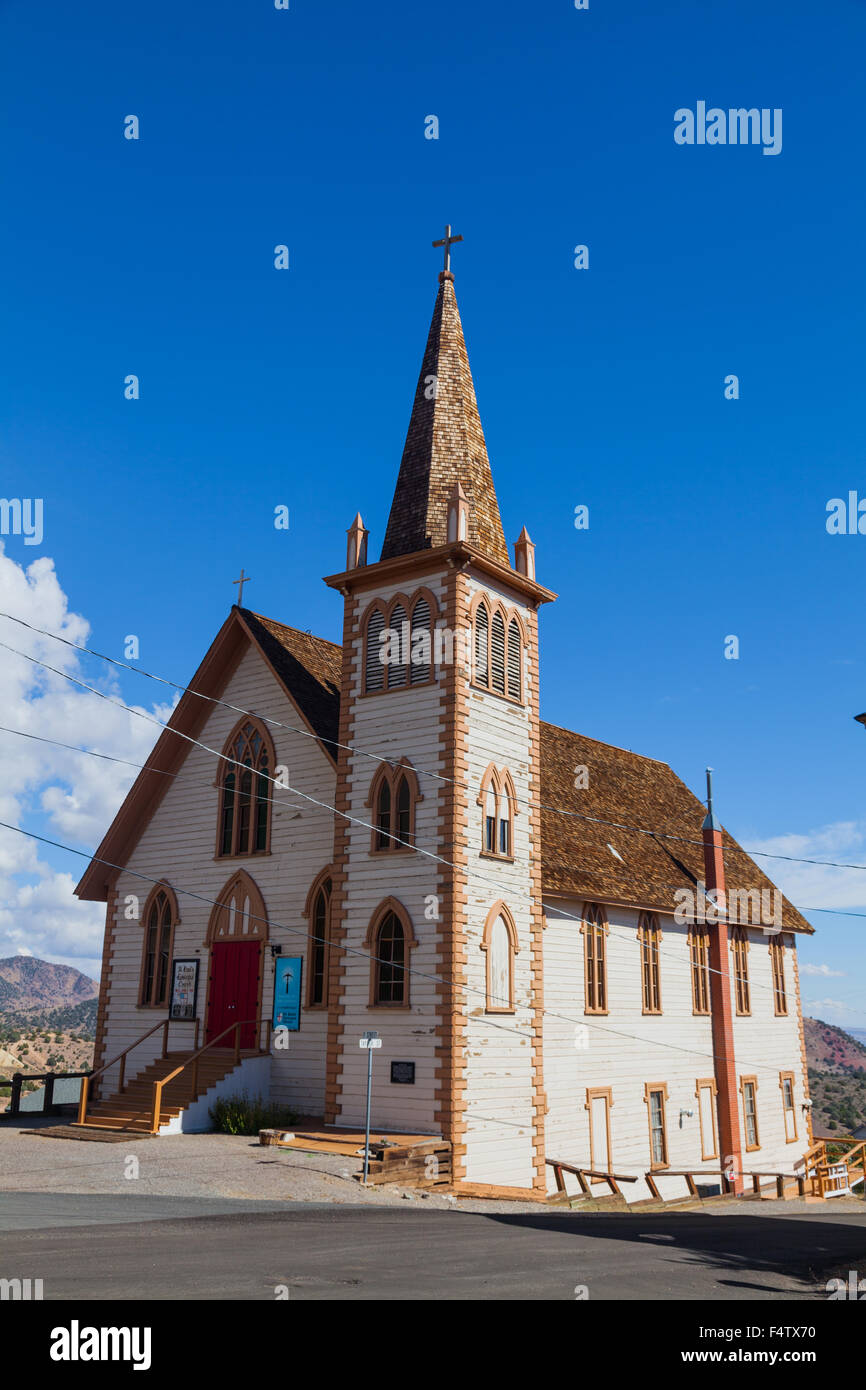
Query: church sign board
<point x="287" y="993"/>
<point x="184" y="989"/>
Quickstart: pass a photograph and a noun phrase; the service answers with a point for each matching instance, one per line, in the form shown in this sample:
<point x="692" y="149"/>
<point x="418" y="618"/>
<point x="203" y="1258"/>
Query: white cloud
<point x="813" y="885"/>
<point x="74" y="796"/>
<point x="825" y="970"/>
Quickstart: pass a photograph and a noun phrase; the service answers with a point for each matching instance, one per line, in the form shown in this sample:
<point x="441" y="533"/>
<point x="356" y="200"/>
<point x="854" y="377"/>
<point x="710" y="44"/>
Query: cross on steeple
<point x="447" y="241"/>
<point x="244" y="579"/>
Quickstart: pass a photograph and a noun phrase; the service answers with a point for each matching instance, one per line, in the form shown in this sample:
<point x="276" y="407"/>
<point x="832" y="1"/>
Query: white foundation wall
<point x="626" y="1049"/>
<point x="765" y="1045"/>
<point x="498" y="1067"/>
<point x="178" y="845"/>
<point x="395" y="724"/>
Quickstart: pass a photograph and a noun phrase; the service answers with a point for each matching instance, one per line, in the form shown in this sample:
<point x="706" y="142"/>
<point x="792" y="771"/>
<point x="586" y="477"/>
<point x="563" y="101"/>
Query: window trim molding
<point x="649" y="1087"/>
<point x="694" y="934"/>
<point x="386" y="607"/>
<point x="600" y="1093"/>
<point x="750" y="1080"/>
<point x="776" y="952"/>
<point x="740" y="944"/>
<point x="502" y="784"/>
<point x="604" y="926"/>
<point x="649" y="926"/>
<point x="401" y="912"/>
<point x="316" y="887"/>
<point x="163" y="886"/>
<point x="789" y="1076"/>
<point x="224" y="766"/>
<point x="392" y="773"/>
<point x="708" y="1083"/>
<point x="493" y="606"/>
<point x="499" y="909"/>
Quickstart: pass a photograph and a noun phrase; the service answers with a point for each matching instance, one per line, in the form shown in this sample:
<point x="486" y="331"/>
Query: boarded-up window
<point x="600" y="1155"/>
<point x="707" y="1112"/>
<point x="499" y="967"/>
<point x="374" y="670"/>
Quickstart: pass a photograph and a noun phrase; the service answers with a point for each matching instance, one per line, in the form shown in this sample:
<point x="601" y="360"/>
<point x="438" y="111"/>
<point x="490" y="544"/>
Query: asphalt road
<point x="138" y="1248"/>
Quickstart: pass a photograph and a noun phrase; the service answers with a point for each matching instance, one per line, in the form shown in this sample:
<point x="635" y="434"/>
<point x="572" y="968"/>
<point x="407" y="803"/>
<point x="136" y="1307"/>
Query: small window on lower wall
<point x="655" y="1096"/>
<point x="749" y="1092"/>
<point x="705" y="1094"/>
<point x="499" y="942"/>
<point x="786" y="1086"/>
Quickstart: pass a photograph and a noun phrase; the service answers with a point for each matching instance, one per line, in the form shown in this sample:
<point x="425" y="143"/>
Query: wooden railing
<point x="834" y="1166"/>
<point x="158" y="1086"/>
<point x="121" y="1057"/>
<point x="612" y="1179"/>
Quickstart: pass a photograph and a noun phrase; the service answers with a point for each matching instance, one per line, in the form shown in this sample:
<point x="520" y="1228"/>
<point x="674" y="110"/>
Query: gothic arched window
<point x="394" y="793"/>
<point x="498" y="803"/>
<point x="498" y="642"/>
<point x="245" y="797"/>
<point x="398" y="642"/>
<point x="390" y="940"/>
<point x="318" y="914"/>
<point x="499" y="942"/>
<point x="160" y="920"/>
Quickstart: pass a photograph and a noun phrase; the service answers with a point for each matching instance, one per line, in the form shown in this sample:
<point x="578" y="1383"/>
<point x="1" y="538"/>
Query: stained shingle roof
<point x="623" y="788"/>
<point x="444" y="444"/>
<point x="308" y="666"/>
<point x="632" y="790"/>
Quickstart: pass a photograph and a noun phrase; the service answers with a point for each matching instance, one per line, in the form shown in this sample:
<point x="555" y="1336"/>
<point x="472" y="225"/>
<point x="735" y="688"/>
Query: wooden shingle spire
<point x="444" y="445"/>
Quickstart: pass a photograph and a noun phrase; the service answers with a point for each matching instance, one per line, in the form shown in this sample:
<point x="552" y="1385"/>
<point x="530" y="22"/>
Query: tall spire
<point x="444" y="446"/>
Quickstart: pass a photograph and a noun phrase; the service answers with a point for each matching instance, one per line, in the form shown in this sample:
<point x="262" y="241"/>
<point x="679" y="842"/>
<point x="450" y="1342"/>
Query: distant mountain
<point x="30" y="986"/>
<point x="837" y="1077"/>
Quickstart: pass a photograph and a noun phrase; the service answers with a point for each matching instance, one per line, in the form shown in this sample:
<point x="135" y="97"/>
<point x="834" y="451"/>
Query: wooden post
<point x="165" y="1039"/>
<point x="82" y="1100"/>
<point x="48" y="1107"/>
<point x="651" y="1184"/>
<point x="157" y="1107"/>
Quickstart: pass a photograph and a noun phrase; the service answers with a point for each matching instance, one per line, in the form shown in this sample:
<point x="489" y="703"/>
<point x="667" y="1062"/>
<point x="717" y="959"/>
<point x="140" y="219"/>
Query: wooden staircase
<point x="169" y="1084"/>
<point x="131" y="1109"/>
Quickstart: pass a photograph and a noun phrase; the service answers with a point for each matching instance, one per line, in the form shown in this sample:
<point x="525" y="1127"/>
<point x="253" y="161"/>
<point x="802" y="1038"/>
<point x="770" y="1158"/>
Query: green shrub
<point x="245" y="1114"/>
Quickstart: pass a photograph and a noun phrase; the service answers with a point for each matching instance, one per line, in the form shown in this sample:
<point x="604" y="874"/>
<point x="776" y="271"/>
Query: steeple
<point x="444" y="446"/>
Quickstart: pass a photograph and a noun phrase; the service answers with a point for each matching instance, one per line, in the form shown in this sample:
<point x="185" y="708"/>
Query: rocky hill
<point x="837" y="1076"/>
<point x="30" y="985"/>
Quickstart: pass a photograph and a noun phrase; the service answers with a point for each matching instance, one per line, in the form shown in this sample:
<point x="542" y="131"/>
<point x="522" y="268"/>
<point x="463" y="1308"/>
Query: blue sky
<point x="603" y="387"/>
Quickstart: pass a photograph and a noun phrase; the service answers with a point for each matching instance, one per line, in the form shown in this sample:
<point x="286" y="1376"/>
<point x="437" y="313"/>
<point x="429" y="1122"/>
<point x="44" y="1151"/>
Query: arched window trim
<point x="776" y="950"/>
<point x="386" y="607"/>
<point x="391" y="776"/>
<point x="698" y="939"/>
<point x="502" y="784"/>
<point x="387" y="906"/>
<point x="594" y="926"/>
<point x="165" y="890"/>
<point x="508" y="615"/>
<point x="739" y="956"/>
<point x="499" y="909"/>
<point x="649" y="934"/>
<point x="316" y="887"/>
<point x="225" y="769"/>
<point x="258" y="913"/>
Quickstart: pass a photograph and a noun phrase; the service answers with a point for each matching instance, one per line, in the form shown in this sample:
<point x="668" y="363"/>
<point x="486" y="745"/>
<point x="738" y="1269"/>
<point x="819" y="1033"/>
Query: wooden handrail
<point x="121" y="1058"/>
<point x="159" y="1085"/>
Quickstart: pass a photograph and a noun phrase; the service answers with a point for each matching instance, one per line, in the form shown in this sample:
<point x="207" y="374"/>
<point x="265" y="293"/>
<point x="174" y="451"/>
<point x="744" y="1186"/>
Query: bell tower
<point x="436" y="917"/>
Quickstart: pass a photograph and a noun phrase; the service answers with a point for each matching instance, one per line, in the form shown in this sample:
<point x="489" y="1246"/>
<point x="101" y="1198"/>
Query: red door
<point x="234" y="991"/>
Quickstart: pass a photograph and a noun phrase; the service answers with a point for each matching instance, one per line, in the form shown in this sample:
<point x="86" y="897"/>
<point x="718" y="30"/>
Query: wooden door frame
<point x="239" y="941"/>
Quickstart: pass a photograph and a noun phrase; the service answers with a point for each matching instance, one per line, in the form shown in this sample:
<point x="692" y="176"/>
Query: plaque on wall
<point x="184" y="989"/>
<point x="403" y="1073"/>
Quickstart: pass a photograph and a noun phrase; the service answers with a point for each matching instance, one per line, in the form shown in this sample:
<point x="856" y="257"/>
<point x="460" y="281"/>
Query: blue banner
<point x="287" y="992"/>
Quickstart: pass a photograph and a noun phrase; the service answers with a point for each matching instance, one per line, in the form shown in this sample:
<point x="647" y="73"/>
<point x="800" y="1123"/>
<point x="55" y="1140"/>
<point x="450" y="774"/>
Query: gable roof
<point x="629" y="790"/>
<point x="444" y="445"/>
<point x="307" y="667"/>
<point x="576" y="860"/>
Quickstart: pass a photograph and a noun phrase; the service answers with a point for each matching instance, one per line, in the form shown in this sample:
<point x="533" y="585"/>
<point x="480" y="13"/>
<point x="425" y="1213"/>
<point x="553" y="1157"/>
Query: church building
<point x="563" y="953"/>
